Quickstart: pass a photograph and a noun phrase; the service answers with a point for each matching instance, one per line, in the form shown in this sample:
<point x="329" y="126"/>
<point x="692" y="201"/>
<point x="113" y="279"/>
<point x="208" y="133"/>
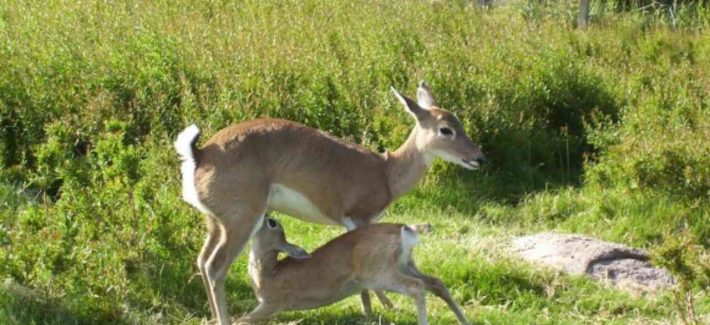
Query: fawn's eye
<point x="446" y="131"/>
<point x="272" y="223"/>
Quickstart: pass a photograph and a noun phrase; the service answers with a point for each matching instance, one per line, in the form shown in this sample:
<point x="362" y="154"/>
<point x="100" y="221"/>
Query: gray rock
<point x="622" y="266"/>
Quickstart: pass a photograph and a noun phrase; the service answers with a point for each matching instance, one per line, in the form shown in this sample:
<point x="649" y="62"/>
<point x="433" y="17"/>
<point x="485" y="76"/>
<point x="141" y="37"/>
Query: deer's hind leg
<point x="236" y="222"/>
<point x="213" y="235"/>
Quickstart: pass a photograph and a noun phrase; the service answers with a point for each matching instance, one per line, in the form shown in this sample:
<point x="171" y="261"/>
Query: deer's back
<point x="332" y="175"/>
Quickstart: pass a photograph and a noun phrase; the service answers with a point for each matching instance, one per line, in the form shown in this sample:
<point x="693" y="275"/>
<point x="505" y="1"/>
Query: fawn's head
<point x="271" y="238"/>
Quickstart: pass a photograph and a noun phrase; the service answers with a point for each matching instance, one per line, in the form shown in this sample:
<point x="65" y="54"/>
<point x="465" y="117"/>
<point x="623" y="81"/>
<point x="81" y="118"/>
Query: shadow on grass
<point x="467" y="191"/>
<point x="497" y="283"/>
<point x="353" y="316"/>
<point x="179" y="282"/>
<point x="19" y="308"/>
<point x="340" y="317"/>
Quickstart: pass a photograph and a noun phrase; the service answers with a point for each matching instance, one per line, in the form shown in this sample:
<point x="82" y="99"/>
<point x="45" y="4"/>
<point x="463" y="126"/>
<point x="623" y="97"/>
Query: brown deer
<point x="376" y="257"/>
<point x="249" y="168"/>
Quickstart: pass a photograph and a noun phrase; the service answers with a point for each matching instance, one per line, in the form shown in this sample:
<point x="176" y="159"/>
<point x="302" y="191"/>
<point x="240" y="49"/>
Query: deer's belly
<point x="293" y="203"/>
<point x="320" y="298"/>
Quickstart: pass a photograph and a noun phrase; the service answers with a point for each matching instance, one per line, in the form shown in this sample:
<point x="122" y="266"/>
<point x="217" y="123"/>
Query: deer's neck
<point x="406" y="166"/>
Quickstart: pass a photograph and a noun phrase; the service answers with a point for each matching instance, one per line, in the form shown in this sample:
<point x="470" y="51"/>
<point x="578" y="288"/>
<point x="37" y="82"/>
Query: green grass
<point x="492" y="286"/>
<point x="604" y="132"/>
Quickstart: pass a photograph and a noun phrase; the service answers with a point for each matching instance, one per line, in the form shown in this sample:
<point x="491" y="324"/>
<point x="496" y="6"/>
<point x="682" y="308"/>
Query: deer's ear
<point x="425" y="97"/>
<point x="411" y="107"/>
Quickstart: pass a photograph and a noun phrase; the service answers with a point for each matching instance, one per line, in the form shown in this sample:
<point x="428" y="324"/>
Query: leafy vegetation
<point x="604" y="131"/>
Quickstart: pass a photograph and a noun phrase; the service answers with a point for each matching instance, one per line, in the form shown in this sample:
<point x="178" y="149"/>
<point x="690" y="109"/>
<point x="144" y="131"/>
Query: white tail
<point x="185" y="147"/>
<point x="271" y="164"/>
<point x="357" y="260"/>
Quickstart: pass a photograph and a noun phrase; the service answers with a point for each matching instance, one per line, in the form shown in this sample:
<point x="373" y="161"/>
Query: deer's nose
<point x="481" y="160"/>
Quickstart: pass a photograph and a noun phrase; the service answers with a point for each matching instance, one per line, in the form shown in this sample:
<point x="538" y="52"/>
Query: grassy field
<point x="603" y="131"/>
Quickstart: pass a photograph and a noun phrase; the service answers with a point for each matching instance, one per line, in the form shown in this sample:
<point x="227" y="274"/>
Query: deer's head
<point x="439" y="133"/>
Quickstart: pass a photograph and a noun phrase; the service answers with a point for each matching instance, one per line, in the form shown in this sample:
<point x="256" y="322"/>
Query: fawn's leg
<point x="414" y="288"/>
<point x="437" y="287"/>
<point x="365" y="294"/>
<point x="260" y="313"/>
<point x="366" y="304"/>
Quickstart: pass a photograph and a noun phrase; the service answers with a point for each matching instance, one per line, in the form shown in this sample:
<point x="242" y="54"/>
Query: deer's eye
<point x="272" y="223"/>
<point x="446" y="131"/>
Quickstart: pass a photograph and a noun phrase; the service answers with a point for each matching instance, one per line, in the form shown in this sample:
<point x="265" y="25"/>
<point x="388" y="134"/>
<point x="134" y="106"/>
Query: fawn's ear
<point x="294" y="251"/>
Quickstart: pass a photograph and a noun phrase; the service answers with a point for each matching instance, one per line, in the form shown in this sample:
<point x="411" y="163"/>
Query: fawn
<point x="375" y="257"/>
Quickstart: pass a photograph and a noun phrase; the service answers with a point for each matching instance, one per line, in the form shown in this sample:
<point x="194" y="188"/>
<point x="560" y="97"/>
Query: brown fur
<point x="241" y="167"/>
<point x="288" y="153"/>
<point x="371" y="257"/>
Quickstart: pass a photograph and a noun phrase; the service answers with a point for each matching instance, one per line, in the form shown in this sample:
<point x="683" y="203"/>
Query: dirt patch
<point x="622" y="266"/>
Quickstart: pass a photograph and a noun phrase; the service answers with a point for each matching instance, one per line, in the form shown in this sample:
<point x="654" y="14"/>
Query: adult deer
<point x="376" y="256"/>
<point x="271" y="164"/>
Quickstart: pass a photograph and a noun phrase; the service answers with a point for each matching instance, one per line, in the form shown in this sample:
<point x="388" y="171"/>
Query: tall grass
<point x="603" y="131"/>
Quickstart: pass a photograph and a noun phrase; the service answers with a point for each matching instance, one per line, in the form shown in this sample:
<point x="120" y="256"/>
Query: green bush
<point x="603" y="131"/>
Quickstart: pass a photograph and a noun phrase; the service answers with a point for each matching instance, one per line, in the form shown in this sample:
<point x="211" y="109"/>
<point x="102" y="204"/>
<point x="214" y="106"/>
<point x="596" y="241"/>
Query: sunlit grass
<point x="603" y="132"/>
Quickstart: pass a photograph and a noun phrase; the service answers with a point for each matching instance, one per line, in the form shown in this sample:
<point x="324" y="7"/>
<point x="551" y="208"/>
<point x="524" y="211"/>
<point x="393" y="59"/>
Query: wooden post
<point x="583" y="18"/>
